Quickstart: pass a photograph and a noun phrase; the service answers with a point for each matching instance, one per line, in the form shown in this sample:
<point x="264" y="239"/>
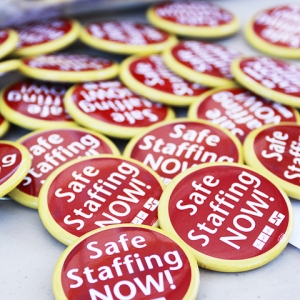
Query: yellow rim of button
<point x="191" y="293"/>
<point x="118" y="131"/>
<point x="49" y="222"/>
<point x="193" y="31"/>
<point x="251" y="159"/>
<point x="268" y="48"/>
<point x="20" y="172"/>
<point x="32" y="201"/>
<point x="148" y="92"/>
<point x="193" y="75"/>
<point x="210" y="262"/>
<point x="10" y="44"/>
<point x="259" y="89"/>
<point x="53" y="45"/>
<point x="69" y="76"/>
<point x="9" y="65"/>
<point x="122" y="48"/>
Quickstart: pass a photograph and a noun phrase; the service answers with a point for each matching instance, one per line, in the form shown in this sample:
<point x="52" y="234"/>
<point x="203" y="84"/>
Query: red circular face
<point x="51" y="148"/>
<point x="241" y="111"/>
<point x="126" y="263"/>
<point x="193" y="13"/>
<point x="173" y="147"/>
<point x="102" y="191"/>
<point x="127" y="32"/>
<point x="39" y="33"/>
<point x="152" y="72"/>
<point x="210" y="59"/>
<point x="279" y="26"/>
<point x="278" y="150"/>
<point x="67" y="62"/>
<point x="10" y="161"/>
<point x="4" y="34"/>
<point x="229" y="212"/>
<point x="38" y="100"/>
<point x="113" y="103"/>
<point x="273" y="74"/>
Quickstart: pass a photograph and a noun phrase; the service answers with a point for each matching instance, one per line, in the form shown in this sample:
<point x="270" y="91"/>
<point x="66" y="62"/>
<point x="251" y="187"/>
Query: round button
<point x="193" y="19"/>
<point x="235" y="219"/>
<point x="126" y="37"/>
<point x="150" y="77"/>
<point x="45" y="37"/>
<point x="35" y="104"/>
<point x="94" y="192"/>
<point x="111" y="108"/>
<point x="240" y="110"/>
<point x="14" y="164"/>
<point x="274" y="150"/>
<point x="126" y="262"/>
<point x="272" y="78"/>
<point x="171" y="147"/>
<point x="204" y="63"/>
<point x="51" y="148"/>
<point x="275" y="31"/>
<point x="65" y="67"/>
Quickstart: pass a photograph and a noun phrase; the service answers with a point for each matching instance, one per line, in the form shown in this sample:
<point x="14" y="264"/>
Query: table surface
<point x="29" y="253"/>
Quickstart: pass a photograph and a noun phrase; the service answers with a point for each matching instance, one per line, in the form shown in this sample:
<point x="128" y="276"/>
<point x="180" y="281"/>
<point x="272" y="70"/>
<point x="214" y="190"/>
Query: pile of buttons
<point x="209" y="189"/>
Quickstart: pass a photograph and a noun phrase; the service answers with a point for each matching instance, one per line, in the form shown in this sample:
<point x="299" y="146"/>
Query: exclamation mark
<point x="170" y="279"/>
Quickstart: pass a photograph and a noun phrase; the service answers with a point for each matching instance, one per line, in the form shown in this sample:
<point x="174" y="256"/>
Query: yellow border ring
<point x="122" y="48"/>
<point x="20" y="172"/>
<point x="53" y="45"/>
<point x="148" y="92"/>
<point x="259" y="89"/>
<point x="251" y="159"/>
<point x="214" y="263"/>
<point x="192" y="75"/>
<point x="10" y="43"/>
<point x="194" y="31"/>
<point x="265" y="47"/>
<point x="195" y="274"/>
<point x="118" y="131"/>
